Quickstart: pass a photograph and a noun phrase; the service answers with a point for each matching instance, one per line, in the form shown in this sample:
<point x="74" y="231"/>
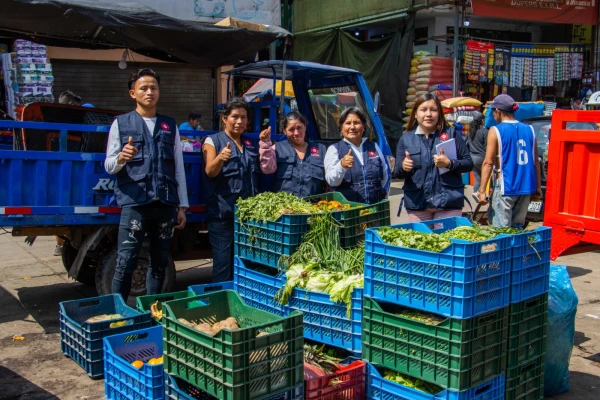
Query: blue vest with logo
<point x="300" y="177"/>
<point x="238" y="178"/>
<point x="518" y="159"/>
<point x="150" y="174"/>
<point x="362" y="183"/>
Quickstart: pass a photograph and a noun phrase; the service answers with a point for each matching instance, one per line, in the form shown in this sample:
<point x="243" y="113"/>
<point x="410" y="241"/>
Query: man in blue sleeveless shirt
<point x="144" y="152"/>
<point x="511" y="155"/>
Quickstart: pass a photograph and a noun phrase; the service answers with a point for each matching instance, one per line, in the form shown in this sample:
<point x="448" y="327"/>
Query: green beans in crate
<point x="232" y="364"/>
<point x="453" y="353"/>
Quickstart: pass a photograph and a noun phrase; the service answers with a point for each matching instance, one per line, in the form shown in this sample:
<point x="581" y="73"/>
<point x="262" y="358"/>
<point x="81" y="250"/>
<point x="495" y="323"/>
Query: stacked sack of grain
<point x="412" y="83"/>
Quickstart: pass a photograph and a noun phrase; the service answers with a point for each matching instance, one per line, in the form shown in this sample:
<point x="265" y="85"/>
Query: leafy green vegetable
<point x="427" y="318"/>
<point x="411" y="382"/>
<point x="321" y="358"/>
<point x="269" y="206"/>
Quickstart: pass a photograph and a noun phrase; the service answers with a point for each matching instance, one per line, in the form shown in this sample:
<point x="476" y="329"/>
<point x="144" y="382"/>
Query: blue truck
<point x="64" y="190"/>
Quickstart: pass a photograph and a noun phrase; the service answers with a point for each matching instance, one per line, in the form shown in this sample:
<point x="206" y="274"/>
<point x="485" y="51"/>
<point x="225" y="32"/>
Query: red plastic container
<point x="572" y="201"/>
<point x="349" y="383"/>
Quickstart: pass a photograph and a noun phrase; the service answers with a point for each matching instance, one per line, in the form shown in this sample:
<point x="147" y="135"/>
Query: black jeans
<point x="220" y="236"/>
<point x="157" y="222"/>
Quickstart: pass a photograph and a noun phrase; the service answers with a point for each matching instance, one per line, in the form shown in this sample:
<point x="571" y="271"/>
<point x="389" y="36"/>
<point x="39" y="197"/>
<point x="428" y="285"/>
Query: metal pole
<point x="283" y="79"/>
<point x="455" y="51"/>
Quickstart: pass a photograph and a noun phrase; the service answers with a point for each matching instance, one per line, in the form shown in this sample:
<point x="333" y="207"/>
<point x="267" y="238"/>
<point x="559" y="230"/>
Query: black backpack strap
<point x="400" y="208"/>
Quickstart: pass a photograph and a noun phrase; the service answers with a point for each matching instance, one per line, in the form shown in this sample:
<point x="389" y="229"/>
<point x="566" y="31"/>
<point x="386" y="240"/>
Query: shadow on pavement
<point x="15" y="387"/>
<point x="12" y="309"/>
<point x="42" y="301"/>
<point x="575" y="272"/>
<point x="583" y="387"/>
<point x="580" y="338"/>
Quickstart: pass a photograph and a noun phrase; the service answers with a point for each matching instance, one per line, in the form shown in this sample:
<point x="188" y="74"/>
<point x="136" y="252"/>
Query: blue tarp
<point x="526" y="110"/>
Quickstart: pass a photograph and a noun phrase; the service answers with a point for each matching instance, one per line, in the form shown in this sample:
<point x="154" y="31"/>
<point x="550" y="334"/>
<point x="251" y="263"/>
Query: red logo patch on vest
<point x="314" y="151"/>
<point x="247" y="142"/>
<point x="444" y="136"/>
<point x="372" y="153"/>
<point x="165" y="126"/>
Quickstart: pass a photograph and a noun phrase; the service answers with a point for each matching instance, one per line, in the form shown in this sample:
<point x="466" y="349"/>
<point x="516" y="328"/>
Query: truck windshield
<point x="328" y="103"/>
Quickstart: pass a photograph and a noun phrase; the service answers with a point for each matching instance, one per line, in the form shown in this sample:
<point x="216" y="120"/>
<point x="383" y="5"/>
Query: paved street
<point x="33" y="282"/>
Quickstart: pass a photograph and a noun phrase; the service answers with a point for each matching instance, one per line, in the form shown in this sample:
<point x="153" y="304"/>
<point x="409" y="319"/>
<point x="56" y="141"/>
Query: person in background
<point x="355" y="166"/>
<point x="193" y="122"/>
<point x="299" y="165"/>
<point x="477" y="144"/>
<point x="144" y="152"/>
<point x="70" y="98"/>
<point x="231" y="172"/>
<point x="511" y="160"/>
<point x="429" y="194"/>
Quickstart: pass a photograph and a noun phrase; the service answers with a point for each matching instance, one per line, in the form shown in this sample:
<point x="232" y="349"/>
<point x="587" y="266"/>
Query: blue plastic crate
<point x="464" y="280"/>
<point x="379" y="388"/>
<point x="82" y="341"/>
<point x="123" y="381"/>
<point x="266" y="242"/>
<point x="324" y="321"/>
<point x="178" y="389"/>
<point x="258" y="289"/>
<point x="530" y="268"/>
<point x="211" y="287"/>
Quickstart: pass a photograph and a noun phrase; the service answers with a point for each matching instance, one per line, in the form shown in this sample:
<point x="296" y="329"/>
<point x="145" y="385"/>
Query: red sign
<point x="551" y="11"/>
<point x="482" y="47"/>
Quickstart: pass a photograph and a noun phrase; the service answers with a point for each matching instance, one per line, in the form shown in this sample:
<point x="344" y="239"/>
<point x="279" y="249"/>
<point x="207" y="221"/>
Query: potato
<point x="262" y="334"/>
<point x="206" y="328"/>
<point x="217" y="327"/>
<point x="230" y="323"/>
<point x="185" y="322"/>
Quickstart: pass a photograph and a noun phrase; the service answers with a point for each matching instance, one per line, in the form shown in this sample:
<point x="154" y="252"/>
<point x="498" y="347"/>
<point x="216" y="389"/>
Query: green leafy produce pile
<point x="269" y="206"/>
<point x="427" y="318"/>
<point x="436" y="242"/>
<point x="413" y="383"/>
<point x="321" y="265"/>
<point x="325" y="359"/>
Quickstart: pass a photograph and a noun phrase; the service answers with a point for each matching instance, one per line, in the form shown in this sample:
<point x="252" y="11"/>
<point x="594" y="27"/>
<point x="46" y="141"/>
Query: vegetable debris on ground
<point x="321" y="265"/>
<point x="436" y="242"/>
<point x="413" y="383"/>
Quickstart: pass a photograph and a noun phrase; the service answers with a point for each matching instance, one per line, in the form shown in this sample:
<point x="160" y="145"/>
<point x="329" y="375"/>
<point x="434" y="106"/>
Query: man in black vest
<point x="144" y="151"/>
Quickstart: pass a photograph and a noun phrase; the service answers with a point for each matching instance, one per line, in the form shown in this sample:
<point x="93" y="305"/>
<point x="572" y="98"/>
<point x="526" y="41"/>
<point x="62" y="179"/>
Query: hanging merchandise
<point x="501" y="69"/>
<point x="562" y="63"/>
<point x="521" y="65"/>
<point x="543" y="65"/>
<point x="577" y="61"/>
<point x="479" y="61"/>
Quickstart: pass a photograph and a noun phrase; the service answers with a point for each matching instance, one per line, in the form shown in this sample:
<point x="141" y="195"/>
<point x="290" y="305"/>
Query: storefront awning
<point x="106" y="24"/>
<point x="584" y="12"/>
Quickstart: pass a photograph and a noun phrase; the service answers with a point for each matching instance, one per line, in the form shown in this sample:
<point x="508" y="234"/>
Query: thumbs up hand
<point x="408" y="164"/>
<point x="348" y="161"/>
<point x="441" y="161"/>
<point x="265" y="135"/>
<point x="128" y="152"/>
<point x="225" y="154"/>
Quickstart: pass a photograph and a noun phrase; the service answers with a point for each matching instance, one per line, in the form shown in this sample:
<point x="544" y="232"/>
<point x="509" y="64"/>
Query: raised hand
<point x="348" y="160"/>
<point x="441" y="161"/>
<point x="128" y="152"/>
<point x="408" y="164"/>
<point x="265" y="135"/>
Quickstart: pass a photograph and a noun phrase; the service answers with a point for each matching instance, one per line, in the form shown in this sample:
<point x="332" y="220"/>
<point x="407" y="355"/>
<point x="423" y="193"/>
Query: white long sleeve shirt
<point x="334" y="172"/>
<point x="114" y="147"/>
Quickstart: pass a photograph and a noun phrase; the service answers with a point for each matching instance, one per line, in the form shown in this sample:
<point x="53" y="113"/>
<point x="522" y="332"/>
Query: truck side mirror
<point x="376" y="103"/>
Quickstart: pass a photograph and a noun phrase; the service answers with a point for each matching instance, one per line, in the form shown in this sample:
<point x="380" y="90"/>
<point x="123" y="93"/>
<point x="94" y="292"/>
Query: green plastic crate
<point x="352" y="231"/>
<point x="526" y="382"/>
<point x="528" y="323"/>
<point x="233" y="365"/>
<point x="143" y="303"/>
<point x="456" y="354"/>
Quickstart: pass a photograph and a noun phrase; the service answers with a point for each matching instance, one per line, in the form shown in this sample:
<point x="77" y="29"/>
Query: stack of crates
<point x="258" y="247"/>
<point x="528" y="314"/>
<point x="462" y="348"/>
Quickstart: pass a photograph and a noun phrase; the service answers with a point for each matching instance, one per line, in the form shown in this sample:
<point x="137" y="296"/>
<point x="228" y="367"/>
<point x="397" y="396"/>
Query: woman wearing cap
<point x="433" y="185"/>
<point x="231" y="172"/>
<point x="355" y="166"/>
<point x="298" y="164"/>
<point x="477" y="143"/>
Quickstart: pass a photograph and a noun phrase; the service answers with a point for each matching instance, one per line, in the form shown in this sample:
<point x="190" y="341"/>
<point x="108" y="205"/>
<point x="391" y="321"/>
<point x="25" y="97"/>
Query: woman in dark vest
<point x="355" y="166"/>
<point x="298" y="163"/>
<point x="231" y="172"/>
<point x="428" y="192"/>
<point x="477" y="145"/>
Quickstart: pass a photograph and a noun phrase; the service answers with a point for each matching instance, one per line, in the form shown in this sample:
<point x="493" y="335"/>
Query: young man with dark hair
<point x="145" y="154"/>
<point x="193" y="122"/>
<point x="511" y="155"/>
<point x="70" y="98"/>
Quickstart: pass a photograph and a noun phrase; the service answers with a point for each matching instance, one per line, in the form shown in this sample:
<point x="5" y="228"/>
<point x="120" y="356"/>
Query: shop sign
<point x="552" y="11"/>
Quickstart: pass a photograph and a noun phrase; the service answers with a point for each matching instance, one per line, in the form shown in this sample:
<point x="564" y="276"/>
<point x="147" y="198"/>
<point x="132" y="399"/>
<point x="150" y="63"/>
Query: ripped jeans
<point x="156" y="221"/>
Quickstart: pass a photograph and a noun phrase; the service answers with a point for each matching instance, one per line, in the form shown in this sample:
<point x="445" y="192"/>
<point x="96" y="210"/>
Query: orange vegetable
<point x="138" y="364"/>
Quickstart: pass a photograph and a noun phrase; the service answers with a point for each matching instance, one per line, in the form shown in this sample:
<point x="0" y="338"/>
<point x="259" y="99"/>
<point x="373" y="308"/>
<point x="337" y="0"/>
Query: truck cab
<point x="64" y="190"/>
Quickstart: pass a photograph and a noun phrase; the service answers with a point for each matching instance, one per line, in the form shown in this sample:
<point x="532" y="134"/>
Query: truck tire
<point x="87" y="272"/>
<point x="106" y="271"/>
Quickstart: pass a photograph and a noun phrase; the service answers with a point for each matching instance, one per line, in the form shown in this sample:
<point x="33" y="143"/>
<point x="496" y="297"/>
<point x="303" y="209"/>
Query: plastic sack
<point x="562" y="307"/>
<point x="437" y="60"/>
